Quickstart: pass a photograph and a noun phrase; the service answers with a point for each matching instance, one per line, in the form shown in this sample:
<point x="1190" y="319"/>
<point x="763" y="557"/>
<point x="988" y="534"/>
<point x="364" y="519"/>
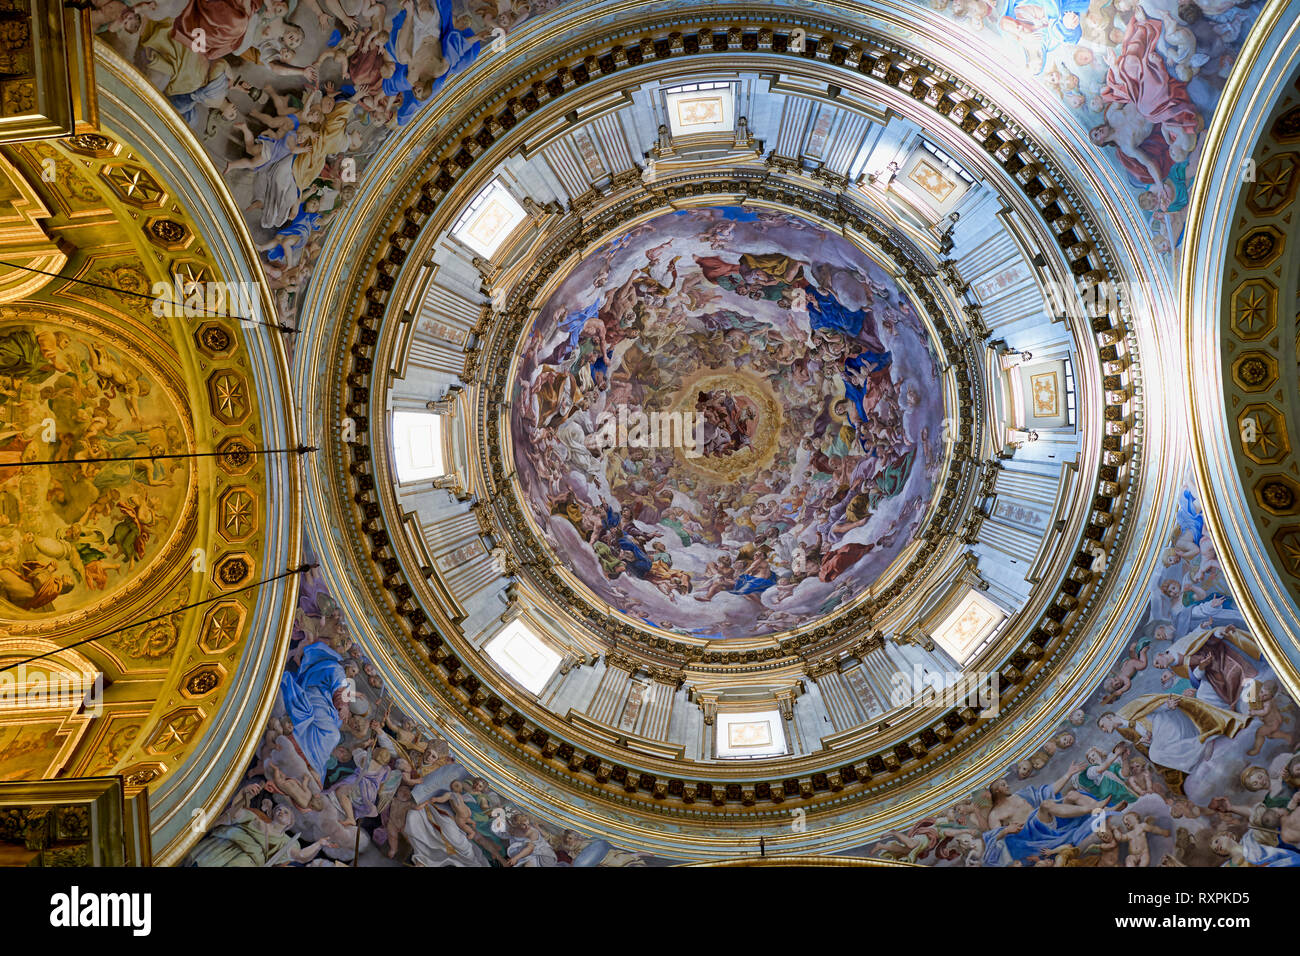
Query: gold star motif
<point x="1289" y="550"/>
<point x="1276" y="183"/>
<point x="170" y="735"/>
<point x="134" y="185"/>
<point x="225" y="624"/>
<point x="1265" y="442"/>
<point x="1251" y="315"/>
<point x="230" y="395"/>
<point x="176" y="731"/>
<point x="239" y="510"/>
<point x="191" y="277"/>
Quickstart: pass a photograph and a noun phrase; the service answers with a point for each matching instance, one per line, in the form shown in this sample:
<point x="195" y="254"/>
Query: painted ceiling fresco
<point x="727" y="421"/>
<point x="291" y="97"/>
<point x="1187" y="755"/>
<point x="94" y="535"/>
<point x="1142" y="78"/>
<point x="297" y="95"/>
<point x="74" y="533"/>
<point x="343" y="777"/>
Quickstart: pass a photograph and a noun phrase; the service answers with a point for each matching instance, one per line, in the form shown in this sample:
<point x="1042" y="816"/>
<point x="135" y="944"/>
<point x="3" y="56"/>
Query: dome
<point x="709" y="371"/>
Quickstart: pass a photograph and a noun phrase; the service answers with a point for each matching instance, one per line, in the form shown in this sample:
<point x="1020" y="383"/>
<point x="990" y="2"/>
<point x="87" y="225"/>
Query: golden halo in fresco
<point x="82" y="532"/>
<point x="757" y="401"/>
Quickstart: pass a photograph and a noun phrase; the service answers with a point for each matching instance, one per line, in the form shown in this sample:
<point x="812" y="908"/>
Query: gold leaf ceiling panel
<point x="134" y="554"/>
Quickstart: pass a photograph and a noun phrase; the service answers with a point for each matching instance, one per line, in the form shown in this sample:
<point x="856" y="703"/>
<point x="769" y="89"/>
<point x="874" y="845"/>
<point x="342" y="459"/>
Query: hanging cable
<point x="184" y="309"/>
<point x="158" y="617"/>
<point x="300" y="450"/>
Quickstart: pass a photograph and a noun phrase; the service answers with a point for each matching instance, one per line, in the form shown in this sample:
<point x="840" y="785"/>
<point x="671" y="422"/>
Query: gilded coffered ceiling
<point x="1241" y="347"/>
<point x="134" y="491"/>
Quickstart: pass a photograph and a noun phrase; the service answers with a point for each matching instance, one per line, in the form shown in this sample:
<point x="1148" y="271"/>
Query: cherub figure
<point x="1136" y="831"/>
<point x="115" y="16"/>
<point x="1119" y="684"/>
<point x="1271" y="717"/>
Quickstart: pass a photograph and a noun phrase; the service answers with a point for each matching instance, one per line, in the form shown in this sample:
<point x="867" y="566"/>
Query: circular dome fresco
<point x="727" y="422"/>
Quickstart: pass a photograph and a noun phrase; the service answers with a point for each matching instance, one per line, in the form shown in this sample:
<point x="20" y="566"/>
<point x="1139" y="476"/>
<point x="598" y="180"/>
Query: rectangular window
<point x="489" y="219"/>
<point x="750" y="734"/>
<point x="1070" y="398"/>
<point x="524" y="656"/>
<point x="700" y="108"/>
<point x="417" y="445"/>
<point x="968" y="626"/>
<point x="948" y="162"/>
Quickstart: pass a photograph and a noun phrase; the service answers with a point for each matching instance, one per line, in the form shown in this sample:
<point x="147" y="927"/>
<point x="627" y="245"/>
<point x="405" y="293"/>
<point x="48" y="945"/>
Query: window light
<point x="750" y="734"/>
<point x="700" y="108"/>
<point x="967" y="627"/>
<point x="417" y="445"/>
<point x="524" y="656"/>
<point x="489" y="218"/>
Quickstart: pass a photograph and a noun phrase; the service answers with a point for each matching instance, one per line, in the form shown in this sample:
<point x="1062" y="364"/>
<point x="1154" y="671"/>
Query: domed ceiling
<point x="866" y="508"/>
<point x="787" y="420"/>
<point x="727" y="422"/>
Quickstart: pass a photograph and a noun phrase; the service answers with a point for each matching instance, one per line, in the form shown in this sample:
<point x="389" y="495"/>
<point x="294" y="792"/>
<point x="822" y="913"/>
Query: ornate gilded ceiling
<point x="91" y="375"/>
<point x="1260" y="347"/>
<point x="933" y="439"/>
<point x="127" y="559"/>
<point x="1240" y="295"/>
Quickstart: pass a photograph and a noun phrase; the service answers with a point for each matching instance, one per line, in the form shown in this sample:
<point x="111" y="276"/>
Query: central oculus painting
<point x="727" y="422"/>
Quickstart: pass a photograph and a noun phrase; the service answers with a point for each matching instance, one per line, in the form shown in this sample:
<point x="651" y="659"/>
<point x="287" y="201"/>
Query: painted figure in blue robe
<point x="857" y="372"/>
<point x="640" y="562"/>
<point x="459" y="49"/>
<point x="827" y="312"/>
<point x="579" y="349"/>
<point x="1070" y="819"/>
<point x="293" y="235"/>
<point x="756" y="578"/>
<point x="1189" y="516"/>
<point x="1055" y="22"/>
<point x="313" y="697"/>
<point x="211" y="94"/>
